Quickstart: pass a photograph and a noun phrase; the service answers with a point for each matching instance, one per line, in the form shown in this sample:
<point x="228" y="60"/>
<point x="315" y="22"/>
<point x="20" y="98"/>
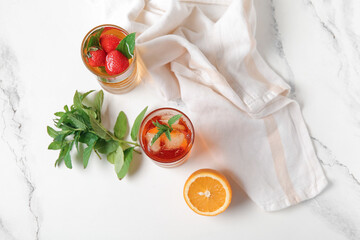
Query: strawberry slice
<point x="96" y="58"/>
<point x="115" y="62"/>
<point x="109" y="42"/>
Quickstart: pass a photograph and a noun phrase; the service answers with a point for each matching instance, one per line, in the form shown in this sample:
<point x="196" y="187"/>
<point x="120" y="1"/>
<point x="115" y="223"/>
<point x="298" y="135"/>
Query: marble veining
<point x="334" y="207"/>
<point x="280" y="50"/>
<point x="5" y="231"/>
<point x="339" y="24"/>
<point x="330" y="160"/>
<point x="11" y="126"/>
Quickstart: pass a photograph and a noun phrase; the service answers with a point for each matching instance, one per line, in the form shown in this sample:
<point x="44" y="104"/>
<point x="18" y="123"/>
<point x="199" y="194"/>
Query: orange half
<point x="207" y="192"/>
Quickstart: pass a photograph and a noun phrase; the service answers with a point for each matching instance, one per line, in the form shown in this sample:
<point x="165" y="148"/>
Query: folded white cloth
<point x="204" y="52"/>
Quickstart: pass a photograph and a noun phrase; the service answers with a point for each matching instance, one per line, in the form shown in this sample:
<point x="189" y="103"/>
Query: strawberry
<point x="109" y="42"/>
<point x="96" y="58"/>
<point x="115" y="62"/>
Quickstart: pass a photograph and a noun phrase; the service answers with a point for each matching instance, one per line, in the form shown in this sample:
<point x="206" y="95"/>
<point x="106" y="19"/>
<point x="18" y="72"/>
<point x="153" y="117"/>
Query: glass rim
<point x="191" y="127"/>
<point x="82" y="52"/>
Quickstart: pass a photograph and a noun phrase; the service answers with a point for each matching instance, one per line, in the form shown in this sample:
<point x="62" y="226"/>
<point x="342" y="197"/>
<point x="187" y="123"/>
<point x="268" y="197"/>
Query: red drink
<point x="165" y="152"/>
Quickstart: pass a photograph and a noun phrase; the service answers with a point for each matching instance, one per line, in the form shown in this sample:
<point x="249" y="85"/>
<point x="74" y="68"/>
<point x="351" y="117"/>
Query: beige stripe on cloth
<point x="278" y="155"/>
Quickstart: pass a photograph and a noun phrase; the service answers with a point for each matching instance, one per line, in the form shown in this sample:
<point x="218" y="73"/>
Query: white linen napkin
<point x="204" y="52"/>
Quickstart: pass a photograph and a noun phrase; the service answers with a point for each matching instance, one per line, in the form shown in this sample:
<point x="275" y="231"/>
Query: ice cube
<point x="177" y="140"/>
<point x="165" y="118"/>
<point x="149" y="136"/>
<point x="178" y="126"/>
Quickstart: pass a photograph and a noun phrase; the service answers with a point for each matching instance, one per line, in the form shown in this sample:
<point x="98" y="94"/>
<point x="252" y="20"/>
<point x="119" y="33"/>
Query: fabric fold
<point x="204" y="52"/>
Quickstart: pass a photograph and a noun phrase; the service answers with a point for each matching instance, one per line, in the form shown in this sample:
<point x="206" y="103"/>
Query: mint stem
<point x="137" y="151"/>
<point x="97" y="154"/>
<point x="132" y="143"/>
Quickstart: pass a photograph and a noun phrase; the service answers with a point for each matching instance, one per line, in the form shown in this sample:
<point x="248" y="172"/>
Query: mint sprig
<point x="81" y="124"/>
<point x="163" y="128"/>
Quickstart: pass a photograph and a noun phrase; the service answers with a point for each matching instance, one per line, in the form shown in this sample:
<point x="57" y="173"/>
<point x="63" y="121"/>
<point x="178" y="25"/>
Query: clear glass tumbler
<point x="165" y="152"/>
<point x="122" y="82"/>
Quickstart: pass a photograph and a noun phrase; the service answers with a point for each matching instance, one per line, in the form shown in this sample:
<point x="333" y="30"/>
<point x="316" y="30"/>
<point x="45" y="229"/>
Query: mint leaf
<point x="76" y="121"/>
<point x="67" y="157"/>
<point x="106" y="147"/>
<point x="173" y="119"/>
<point x="87" y="153"/>
<point x="157" y="135"/>
<point x="52" y="133"/>
<point x="127" y="46"/>
<point x="84" y="95"/>
<point x="99" y="129"/>
<point x="94" y="40"/>
<point x="62" y="153"/>
<point x="102" y="69"/>
<point x="55" y="145"/>
<point x="136" y="126"/>
<point x="99" y="99"/>
<point x="167" y="133"/>
<point x="88" y="138"/>
<point x="67" y="127"/>
<point x="82" y="115"/>
<point x="59" y="114"/>
<point x="76" y="140"/>
<point x="160" y="126"/>
<point x="111" y="157"/>
<point x="117" y="158"/>
<point x="77" y="100"/>
<point x="128" y="156"/>
<point x="90" y="112"/>
<point x="62" y="135"/>
<point x="60" y="120"/>
<point x="120" y="127"/>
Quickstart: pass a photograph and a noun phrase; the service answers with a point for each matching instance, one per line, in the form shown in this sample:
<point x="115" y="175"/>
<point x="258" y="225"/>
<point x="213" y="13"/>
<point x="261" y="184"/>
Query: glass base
<point x="123" y="86"/>
<point x="173" y="164"/>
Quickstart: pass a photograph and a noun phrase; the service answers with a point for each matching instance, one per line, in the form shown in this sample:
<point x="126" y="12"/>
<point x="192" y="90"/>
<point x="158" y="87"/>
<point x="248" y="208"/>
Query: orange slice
<point x="207" y="192"/>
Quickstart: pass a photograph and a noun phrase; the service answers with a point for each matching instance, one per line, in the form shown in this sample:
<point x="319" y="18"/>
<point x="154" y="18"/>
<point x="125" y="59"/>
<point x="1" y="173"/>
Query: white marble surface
<point x="312" y="44"/>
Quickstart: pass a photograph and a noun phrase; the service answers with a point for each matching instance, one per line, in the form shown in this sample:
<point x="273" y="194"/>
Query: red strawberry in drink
<point x="109" y="42"/>
<point x="115" y="62"/>
<point x="96" y="58"/>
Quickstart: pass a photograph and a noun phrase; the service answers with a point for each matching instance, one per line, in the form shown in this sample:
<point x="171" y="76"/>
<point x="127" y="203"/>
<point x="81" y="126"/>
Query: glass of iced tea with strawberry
<point x="109" y="52"/>
<point x="167" y="136"/>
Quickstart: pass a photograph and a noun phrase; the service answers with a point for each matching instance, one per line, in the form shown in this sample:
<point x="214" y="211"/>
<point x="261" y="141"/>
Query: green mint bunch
<point x="81" y="124"/>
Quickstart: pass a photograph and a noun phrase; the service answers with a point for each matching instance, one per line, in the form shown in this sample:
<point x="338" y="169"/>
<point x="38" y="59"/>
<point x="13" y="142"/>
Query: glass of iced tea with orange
<point x="114" y="64"/>
<point x="169" y="149"/>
